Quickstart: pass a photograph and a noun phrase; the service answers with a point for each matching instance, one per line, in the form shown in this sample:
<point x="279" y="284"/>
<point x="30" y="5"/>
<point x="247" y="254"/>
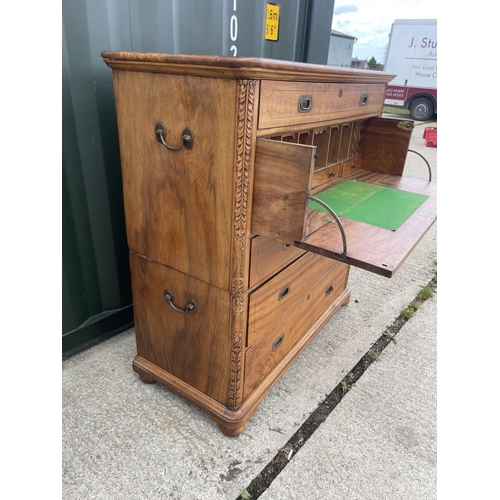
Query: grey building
<point x="341" y="47"/>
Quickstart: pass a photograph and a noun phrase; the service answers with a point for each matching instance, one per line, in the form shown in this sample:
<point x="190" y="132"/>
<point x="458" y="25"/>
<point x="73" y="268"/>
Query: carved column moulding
<point x="246" y="94"/>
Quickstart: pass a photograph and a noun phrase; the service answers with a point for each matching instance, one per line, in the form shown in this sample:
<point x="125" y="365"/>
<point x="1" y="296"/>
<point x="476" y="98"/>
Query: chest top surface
<point x="239" y="67"/>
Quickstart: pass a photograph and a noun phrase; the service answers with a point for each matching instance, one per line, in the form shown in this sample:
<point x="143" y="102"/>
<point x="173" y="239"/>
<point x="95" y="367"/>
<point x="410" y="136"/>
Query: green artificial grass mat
<point x="376" y="205"/>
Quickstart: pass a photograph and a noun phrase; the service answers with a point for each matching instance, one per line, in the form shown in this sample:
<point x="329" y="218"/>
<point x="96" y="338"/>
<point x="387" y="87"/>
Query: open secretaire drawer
<point x="339" y="191"/>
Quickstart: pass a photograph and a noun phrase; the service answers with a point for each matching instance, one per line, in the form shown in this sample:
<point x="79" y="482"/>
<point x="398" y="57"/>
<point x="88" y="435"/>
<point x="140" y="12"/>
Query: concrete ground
<point x="380" y="441"/>
<point x="123" y="439"/>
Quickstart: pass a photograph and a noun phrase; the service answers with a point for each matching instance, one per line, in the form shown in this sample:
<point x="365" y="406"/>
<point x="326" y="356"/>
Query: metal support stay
<point x="427" y="163"/>
<point x="337" y="220"/>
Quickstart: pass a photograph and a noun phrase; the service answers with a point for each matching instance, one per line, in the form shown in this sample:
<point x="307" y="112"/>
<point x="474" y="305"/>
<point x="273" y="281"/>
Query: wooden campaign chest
<point x="236" y="262"/>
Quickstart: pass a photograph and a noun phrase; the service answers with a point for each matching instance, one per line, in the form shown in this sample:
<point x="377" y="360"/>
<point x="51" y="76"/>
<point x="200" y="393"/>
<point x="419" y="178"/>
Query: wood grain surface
<point x="279" y="102"/>
<point x="283" y="173"/>
<point x="280" y="295"/>
<point x="384" y="145"/>
<point x="178" y="204"/>
<point x="239" y="67"/>
<point x="288" y="329"/>
<point x="268" y="257"/>
<point x="191" y="347"/>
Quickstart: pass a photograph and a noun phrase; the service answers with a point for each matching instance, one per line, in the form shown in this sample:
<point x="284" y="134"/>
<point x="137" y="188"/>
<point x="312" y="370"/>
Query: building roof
<point x="342" y="35"/>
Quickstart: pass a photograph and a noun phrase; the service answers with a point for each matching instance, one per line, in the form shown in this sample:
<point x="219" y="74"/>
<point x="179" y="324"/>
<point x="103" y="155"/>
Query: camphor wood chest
<point x="233" y="269"/>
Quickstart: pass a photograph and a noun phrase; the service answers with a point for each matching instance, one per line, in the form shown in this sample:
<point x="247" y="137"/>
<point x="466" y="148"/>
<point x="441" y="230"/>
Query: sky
<point x="370" y="21"/>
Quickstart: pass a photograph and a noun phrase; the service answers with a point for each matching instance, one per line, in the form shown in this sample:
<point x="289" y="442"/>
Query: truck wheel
<point x="421" y="109"/>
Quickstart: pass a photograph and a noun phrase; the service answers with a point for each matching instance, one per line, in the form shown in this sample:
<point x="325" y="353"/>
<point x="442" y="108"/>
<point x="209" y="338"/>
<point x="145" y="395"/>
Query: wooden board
<point x="283" y="173"/>
<point x="384" y="144"/>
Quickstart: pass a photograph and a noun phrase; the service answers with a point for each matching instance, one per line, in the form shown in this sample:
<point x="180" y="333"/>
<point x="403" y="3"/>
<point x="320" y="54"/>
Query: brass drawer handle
<point x="284" y="292"/>
<point x="305" y="103"/>
<point x="329" y="290"/>
<point x="187" y="138"/>
<point x="278" y="341"/>
<point x="363" y="101"/>
<point x="190" y="306"/>
<point x="286" y="246"/>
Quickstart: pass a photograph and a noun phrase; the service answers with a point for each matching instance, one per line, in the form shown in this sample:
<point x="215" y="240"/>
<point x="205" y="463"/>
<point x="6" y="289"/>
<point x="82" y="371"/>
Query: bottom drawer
<point x="280" y="338"/>
<point x="191" y="347"/>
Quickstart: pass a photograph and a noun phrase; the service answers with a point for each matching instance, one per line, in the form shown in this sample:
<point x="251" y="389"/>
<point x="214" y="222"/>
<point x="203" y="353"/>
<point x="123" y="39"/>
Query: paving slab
<point x="125" y="439"/>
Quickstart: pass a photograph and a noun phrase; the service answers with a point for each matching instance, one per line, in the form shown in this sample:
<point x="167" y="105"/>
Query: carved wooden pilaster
<point x="246" y="96"/>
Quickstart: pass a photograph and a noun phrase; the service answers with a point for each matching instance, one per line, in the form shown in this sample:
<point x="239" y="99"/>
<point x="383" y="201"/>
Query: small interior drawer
<point x="295" y="103"/>
<point x="326" y="175"/>
<point x="282" y="334"/>
<point x="268" y="256"/>
<point x="349" y="167"/>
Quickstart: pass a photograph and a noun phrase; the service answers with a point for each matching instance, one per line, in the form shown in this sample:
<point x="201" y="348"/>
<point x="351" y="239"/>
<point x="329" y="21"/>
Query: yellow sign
<point x="272" y="22"/>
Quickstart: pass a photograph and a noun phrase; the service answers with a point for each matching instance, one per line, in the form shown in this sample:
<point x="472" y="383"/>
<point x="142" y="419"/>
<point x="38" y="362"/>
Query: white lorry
<point x="412" y="56"/>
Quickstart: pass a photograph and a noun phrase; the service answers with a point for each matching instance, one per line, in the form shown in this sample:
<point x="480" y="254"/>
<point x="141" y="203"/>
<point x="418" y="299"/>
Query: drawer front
<point x="188" y="346"/>
<point x="351" y="166"/>
<point x="164" y="191"/>
<point x="279" y="296"/>
<point x="296" y="103"/>
<point x="285" y="332"/>
<point x="268" y="256"/>
<point x="326" y="175"/>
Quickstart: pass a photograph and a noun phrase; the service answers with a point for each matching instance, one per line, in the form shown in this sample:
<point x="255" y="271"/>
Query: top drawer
<point x="290" y="103"/>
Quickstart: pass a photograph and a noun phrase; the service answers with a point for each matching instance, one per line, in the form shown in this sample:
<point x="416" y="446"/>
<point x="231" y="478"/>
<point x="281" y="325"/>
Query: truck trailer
<point x="412" y="56"/>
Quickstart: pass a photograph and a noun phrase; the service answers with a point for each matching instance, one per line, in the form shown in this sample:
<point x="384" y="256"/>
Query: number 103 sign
<point x="272" y="22"/>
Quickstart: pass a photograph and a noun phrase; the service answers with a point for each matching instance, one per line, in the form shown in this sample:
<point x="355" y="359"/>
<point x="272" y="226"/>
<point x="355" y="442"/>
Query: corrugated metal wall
<point x="96" y="281"/>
